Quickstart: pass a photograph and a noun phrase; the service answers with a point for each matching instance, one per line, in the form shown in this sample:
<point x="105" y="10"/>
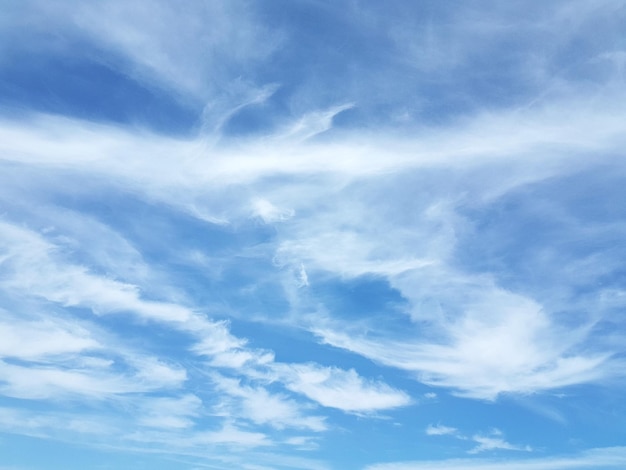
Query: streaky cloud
<point x="342" y="389"/>
<point x="599" y="458"/>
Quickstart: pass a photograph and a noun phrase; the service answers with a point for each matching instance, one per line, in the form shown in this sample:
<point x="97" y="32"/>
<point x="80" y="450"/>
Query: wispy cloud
<point x="31" y="260"/>
<point x="262" y="407"/>
<point x="502" y="344"/>
<point x="601" y="459"/>
<point x="342" y="389"/>
<point x="169" y="412"/>
<point x="187" y="51"/>
<point x="43" y="337"/>
<point x="93" y="381"/>
<point x="440" y="430"/>
<point x="492" y="440"/>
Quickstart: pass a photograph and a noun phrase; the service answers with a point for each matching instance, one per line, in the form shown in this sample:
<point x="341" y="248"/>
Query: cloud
<point x="440" y="430"/>
<point x="460" y="329"/>
<point x="311" y="124"/>
<point x="342" y="389"/>
<point x="477" y="366"/>
<point x="35" y="269"/>
<point x="95" y="380"/>
<point x="599" y="458"/>
<point x="312" y="239"/>
<point x="58" y="357"/>
<point x="260" y="406"/>
<point x="493" y="440"/>
<point x="188" y="51"/>
<point x="29" y="261"/>
<point x="46" y="424"/>
<point x="227" y="435"/>
<point x="234" y="97"/>
<point x="231" y="435"/>
<point x="490" y="137"/>
<point x="169" y="412"/>
<point x="481" y="341"/>
<point x="35" y="339"/>
<point x="269" y="213"/>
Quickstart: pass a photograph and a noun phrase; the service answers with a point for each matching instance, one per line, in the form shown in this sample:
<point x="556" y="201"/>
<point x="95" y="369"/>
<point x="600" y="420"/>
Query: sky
<point x="312" y="235"/>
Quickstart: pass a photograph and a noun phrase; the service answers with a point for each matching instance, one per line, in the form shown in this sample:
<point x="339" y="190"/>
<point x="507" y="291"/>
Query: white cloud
<point x="43" y="424"/>
<point x="188" y="51"/>
<point x="494" y="441"/>
<point x="216" y="340"/>
<point x="35" y="381"/>
<point x="77" y="234"/>
<point x="33" y="266"/>
<point x="312" y="124"/>
<point x="501" y="343"/>
<point x="342" y="389"/>
<point x="440" y="430"/>
<point x="232" y="98"/>
<point x="144" y="160"/>
<point x="269" y="213"/>
<point x="43" y="337"/>
<point x="303" y="443"/>
<point x="257" y="404"/>
<point x="478" y="359"/>
<point x="594" y="459"/>
<point x="233" y="436"/>
<point x="303" y="277"/>
<point x="238" y="358"/>
<point x="169" y="412"/>
<point x="493" y="341"/>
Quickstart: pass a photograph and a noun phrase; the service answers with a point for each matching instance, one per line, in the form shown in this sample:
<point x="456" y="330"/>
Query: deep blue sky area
<point x="84" y="88"/>
<point x="312" y="235"/>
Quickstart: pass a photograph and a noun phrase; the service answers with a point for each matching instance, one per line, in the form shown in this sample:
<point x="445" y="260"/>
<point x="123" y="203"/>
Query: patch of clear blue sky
<point x="86" y="86"/>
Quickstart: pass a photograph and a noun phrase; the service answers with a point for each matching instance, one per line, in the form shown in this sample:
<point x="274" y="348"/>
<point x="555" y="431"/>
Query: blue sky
<point x="313" y="235"/>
